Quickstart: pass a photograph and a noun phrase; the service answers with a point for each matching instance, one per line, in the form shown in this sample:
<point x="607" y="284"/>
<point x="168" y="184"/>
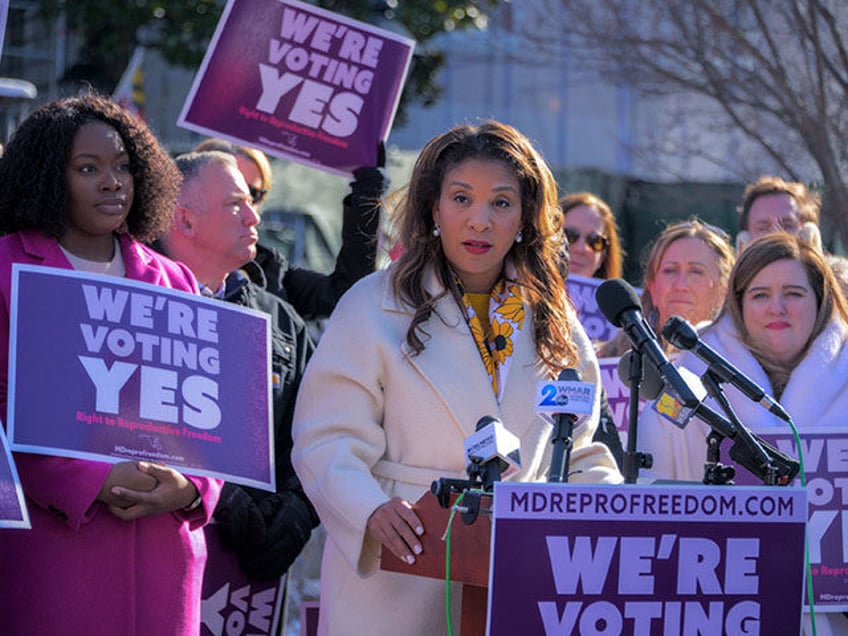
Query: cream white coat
<point x="373" y="422"/>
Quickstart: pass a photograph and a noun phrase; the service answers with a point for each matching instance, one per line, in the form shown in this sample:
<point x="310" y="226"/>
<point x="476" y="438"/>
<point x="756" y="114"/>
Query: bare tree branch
<point x="776" y="69"/>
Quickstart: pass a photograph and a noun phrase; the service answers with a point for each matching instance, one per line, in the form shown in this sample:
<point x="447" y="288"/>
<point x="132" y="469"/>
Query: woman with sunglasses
<point x="593" y="245"/>
<point x="314" y="295"/>
<point x="594" y="251"/>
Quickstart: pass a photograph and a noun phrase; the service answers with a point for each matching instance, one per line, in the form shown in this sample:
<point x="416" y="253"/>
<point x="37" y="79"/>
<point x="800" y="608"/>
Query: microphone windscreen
<point x="624" y="367"/>
<point x="569" y="375"/>
<point x="651" y="384"/>
<point x="484" y="421"/>
<point x="680" y="333"/>
<point x="614" y="297"/>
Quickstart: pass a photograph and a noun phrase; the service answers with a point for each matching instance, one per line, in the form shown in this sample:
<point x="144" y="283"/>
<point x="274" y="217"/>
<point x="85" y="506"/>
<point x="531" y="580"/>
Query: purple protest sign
<point x="13" y="511"/>
<point x="231" y="602"/>
<point x="299" y="82"/>
<point x="581" y="291"/>
<point x="109" y="369"/>
<point x="618" y="396"/>
<point x="826" y="469"/>
<point x="593" y="559"/>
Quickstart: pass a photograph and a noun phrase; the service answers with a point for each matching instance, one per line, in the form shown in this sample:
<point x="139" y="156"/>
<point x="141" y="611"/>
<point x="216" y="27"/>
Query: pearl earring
<point x="437" y="231"/>
<point x="519" y="237"/>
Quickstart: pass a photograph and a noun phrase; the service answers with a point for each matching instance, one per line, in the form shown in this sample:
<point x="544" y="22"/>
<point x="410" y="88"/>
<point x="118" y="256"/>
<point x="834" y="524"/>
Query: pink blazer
<point x="81" y="570"/>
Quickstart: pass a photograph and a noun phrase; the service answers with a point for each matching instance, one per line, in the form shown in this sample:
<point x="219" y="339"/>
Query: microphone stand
<point x="633" y="460"/>
<point x="715" y="472"/>
<point x="562" y="441"/>
<point x="480" y="484"/>
<point x="756" y="459"/>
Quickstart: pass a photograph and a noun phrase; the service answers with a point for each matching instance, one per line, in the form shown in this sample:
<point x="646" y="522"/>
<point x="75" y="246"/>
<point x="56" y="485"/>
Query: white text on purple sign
<point x="331" y="67"/>
<point x="141" y="320"/>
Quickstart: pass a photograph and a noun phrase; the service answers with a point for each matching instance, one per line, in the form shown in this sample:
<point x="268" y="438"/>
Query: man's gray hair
<point x="191" y="163"/>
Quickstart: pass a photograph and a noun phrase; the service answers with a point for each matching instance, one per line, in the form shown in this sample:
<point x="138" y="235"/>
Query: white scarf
<point x="817" y="391"/>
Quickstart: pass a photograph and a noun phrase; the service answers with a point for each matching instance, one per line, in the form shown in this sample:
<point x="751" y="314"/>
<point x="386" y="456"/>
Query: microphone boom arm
<point x="753" y="453"/>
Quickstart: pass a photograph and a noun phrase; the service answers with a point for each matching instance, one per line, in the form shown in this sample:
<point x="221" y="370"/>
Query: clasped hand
<point x="140" y="489"/>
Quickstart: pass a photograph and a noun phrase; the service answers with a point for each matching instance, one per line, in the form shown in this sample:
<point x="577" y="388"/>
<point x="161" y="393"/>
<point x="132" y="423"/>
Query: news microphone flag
<point x="564" y="396"/>
<point x="492" y="442"/>
<point x="671" y="407"/>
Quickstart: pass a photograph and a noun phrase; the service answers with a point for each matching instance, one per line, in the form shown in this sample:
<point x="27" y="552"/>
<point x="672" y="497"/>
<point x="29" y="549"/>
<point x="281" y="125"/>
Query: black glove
<point x="371" y="181"/>
<point x="289" y="519"/>
<point x="239" y="518"/>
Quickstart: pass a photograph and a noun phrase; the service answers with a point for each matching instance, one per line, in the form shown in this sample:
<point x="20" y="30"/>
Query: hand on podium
<point x="396" y="526"/>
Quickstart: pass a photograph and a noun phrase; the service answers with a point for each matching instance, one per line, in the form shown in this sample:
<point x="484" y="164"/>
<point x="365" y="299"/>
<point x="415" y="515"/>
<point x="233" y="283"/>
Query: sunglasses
<point x="594" y="241"/>
<point x="257" y="195"/>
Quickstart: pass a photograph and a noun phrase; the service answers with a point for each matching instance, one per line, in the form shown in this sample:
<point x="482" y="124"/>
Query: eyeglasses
<point x="257" y="195"/>
<point x="594" y="241"/>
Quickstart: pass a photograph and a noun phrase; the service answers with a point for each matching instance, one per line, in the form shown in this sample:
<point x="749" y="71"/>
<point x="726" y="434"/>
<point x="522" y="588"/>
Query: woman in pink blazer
<point x="114" y="548"/>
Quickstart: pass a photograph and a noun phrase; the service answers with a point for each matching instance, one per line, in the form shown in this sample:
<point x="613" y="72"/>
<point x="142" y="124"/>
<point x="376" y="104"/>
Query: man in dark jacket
<point x="314" y="295"/>
<point x="214" y="234"/>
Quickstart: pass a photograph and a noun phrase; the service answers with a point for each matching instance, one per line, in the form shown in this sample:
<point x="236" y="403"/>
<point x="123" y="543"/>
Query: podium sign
<point x="826" y="466"/>
<point x="659" y="559"/>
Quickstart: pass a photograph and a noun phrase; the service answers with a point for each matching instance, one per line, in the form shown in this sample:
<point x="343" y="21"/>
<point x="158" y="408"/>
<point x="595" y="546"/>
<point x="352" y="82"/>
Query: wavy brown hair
<point x="830" y="301"/>
<point x="536" y="258"/>
<point x="33" y="183"/>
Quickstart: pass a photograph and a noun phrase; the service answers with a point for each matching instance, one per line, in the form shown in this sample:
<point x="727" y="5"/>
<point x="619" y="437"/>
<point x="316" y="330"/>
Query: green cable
<point x="808" y="567"/>
<point x="446" y="537"/>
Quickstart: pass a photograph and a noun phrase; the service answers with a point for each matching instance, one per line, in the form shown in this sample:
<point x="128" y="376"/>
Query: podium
<point x="469" y="559"/>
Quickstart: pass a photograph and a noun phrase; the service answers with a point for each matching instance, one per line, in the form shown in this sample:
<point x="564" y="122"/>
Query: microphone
<point x="742" y="451"/>
<point x="651" y="383"/>
<point x="492" y="451"/>
<point x="683" y="336"/>
<point x="573" y="398"/>
<point x="620" y="305"/>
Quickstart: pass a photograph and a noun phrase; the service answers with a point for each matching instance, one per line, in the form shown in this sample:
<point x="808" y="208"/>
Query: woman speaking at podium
<point x="465" y="324"/>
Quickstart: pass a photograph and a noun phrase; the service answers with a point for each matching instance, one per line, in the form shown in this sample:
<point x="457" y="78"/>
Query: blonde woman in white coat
<point x="464" y="324"/>
<point x="785" y="326"/>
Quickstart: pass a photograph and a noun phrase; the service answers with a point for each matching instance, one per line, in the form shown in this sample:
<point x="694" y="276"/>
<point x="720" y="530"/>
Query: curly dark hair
<point x="33" y="182"/>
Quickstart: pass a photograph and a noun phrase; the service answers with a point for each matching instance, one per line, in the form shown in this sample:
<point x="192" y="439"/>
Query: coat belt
<point x="411" y="474"/>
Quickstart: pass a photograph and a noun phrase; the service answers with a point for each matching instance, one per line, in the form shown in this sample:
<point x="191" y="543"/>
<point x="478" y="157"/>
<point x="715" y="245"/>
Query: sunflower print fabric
<point x="506" y="316"/>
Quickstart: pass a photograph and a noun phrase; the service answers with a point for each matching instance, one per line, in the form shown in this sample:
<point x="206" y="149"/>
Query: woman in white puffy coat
<point x="785" y="326"/>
